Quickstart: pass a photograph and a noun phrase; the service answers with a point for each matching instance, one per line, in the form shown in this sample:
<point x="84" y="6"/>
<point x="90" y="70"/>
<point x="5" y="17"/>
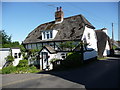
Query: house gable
<point x="89" y="37"/>
<point x="49" y="49"/>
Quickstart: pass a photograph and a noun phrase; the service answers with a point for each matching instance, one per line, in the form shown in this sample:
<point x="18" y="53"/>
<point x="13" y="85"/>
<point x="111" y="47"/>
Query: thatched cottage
<point x="48" y="37"/>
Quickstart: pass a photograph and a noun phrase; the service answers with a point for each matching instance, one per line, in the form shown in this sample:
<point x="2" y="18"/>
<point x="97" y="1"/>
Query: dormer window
<point x="49" y="34"/>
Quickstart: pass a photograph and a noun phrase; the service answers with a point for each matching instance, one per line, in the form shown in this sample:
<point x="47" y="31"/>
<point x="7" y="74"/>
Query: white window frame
<point x="47" y="34"/>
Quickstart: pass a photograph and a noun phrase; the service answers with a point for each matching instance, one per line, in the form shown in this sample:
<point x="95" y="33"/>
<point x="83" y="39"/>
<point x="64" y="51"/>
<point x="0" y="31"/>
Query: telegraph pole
<point x="112" y="51"/>
<point x="112" y="36"/>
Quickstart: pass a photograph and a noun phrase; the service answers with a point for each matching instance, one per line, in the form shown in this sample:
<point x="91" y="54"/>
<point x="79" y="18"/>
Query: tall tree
<point x="6" y="39"/>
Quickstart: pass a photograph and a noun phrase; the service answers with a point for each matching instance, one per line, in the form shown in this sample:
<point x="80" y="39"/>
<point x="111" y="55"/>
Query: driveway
<point x="96" y="74"/>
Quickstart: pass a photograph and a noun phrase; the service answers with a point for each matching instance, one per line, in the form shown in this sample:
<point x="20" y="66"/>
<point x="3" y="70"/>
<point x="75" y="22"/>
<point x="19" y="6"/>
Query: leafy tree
<point x="23" y="63"/>
<point x="68" y="44"/>
<point x="6" y="39"/>
<point x="6" y="42"/>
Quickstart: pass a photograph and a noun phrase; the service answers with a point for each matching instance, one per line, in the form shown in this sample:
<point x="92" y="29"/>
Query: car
<point x="117" y="51"/>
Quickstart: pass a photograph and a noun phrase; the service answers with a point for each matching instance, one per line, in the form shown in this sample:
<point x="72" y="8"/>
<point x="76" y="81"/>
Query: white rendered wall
<point x="57" y="55"/>
<point x="89" y="55"/>
<point x="51" y="56"/>
<point x="54" y="33"/>
<point x="16" y="60"/>
<point x="92" y="41"/>
<point x="107" y="50"/>
<point x="3" y="55"/>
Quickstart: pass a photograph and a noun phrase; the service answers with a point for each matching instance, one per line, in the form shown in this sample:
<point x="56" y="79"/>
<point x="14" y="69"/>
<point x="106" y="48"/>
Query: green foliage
<point x="9" y="59"/>
<point x="114" y="47"/>
<point x="5" y="38"/>
<point x="9" y="69"/>
<point x="13" y="69"/>
<point x="6" y="41"/>
<point x="11" y="44"/>
<point x="23" y="63"/>
<point x="33" y="53"/>
<point x="53" y="60"/>
<point x="70" y="53"/>
<point x="68" y="44"/>
<point x="72" y="60"/>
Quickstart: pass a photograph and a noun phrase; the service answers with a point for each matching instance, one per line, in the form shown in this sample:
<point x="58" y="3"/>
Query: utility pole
<point x="112" y="36"/>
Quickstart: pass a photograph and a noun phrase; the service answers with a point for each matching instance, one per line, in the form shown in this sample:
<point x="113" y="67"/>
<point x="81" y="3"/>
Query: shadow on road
<point x="98" y="74"/>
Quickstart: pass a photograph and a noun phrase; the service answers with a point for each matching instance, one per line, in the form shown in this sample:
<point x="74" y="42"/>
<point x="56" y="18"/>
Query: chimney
<point x="59" y="15"/>
<point x="57" y="8"/>
<point x="104" y="30"/>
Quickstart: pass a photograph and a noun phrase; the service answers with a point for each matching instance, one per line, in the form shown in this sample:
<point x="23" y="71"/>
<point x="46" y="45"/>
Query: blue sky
<point x="20" y="18"/>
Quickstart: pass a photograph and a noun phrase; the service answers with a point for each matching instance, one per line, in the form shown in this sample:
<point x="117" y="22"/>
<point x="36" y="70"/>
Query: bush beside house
<point x="22" y="67"/>
<point x="72" y="60"/>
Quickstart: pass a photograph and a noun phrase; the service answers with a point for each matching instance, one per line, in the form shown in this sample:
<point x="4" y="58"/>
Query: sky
<point x="20" y="18"/>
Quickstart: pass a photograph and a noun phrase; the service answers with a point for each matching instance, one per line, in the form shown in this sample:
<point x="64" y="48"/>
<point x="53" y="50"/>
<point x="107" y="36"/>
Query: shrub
<point x="19" y="69"/>
<point x="9" y="58"/>
<point x="23" y="63"/>
<point x="53" y="60"/>
<point x="72" y="60"/>
<point x="8" y="70"/>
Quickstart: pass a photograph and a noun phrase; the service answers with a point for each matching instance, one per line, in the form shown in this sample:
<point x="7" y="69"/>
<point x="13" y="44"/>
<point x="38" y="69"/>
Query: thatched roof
<point x="102" y="39"/>
<point x="49" y="49"/>
<point x="71" y="28"/>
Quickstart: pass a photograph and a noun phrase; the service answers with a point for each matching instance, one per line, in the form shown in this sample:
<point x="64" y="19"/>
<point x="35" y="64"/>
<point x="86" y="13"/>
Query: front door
<point x="45" y="60"/>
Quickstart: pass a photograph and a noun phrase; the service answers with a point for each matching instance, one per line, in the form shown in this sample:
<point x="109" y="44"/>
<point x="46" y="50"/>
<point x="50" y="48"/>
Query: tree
<point x="6" y="39"/>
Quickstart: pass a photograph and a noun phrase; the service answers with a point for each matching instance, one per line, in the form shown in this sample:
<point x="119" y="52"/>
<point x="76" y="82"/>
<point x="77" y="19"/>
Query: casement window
<point x="47" y="34"/>
<point x="51" y="35"/>
<point x="19" y="54"/>
<point x="15" y="55"/>
<point x="88" y="35"/>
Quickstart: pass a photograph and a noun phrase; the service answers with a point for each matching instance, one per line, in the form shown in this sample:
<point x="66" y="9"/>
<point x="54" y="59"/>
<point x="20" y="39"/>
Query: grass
<point x="0" y="71"/>
<point x="102" y="58"/>
<point x="19" y="70"/>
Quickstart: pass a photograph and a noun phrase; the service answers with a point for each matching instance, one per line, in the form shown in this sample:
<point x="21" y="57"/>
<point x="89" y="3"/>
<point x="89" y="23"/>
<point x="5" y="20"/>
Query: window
<point x="44" y="34"/>
<point x="19" y="54"/>
<point x="15" y="55"/>
<point x="88" y="35"/>
<point x="50" y="34"/>
<point x="47" y="35"/>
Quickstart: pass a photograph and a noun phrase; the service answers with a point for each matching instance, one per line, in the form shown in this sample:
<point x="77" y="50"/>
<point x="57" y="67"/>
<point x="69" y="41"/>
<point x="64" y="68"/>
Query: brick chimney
<point x="59" y="15"/>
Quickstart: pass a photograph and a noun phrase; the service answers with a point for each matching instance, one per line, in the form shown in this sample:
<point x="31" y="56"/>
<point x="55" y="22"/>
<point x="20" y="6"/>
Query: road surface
<point x="97" y="74"/>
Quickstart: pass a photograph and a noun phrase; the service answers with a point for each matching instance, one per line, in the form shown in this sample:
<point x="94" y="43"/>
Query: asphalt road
<point x="97" y="74"/>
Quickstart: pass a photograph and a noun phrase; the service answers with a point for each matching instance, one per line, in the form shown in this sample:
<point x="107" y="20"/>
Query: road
<point x="97" y="74"/>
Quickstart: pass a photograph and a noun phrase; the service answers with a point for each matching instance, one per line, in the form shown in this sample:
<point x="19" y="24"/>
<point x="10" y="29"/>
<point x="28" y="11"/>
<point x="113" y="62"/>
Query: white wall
<point x="89" y="55"/>
<point x="107" y="49"/>
<point x="92" y="41"/>
<point x="57" y="55"/>
<point x="3" y="55"/>
<point x="16" y="60"/>
<point x="54" y="33"/>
